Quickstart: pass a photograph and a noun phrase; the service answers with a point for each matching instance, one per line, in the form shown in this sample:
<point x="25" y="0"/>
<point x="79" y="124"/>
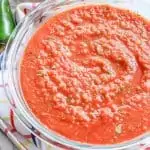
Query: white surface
<point x="5" y="144"/>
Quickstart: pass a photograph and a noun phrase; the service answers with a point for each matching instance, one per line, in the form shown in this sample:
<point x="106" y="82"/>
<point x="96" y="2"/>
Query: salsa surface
<point x="86" y="74"/>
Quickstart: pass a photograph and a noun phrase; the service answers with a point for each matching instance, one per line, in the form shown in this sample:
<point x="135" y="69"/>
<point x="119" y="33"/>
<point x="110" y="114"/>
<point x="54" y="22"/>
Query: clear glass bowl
<point x="15" y="50"/>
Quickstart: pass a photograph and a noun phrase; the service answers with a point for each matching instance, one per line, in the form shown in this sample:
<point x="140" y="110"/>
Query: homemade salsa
<point x="85" y="74"/>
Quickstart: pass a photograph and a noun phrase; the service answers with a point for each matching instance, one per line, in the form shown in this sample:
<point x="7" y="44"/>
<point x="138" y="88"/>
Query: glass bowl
<point x="11" y="67"/>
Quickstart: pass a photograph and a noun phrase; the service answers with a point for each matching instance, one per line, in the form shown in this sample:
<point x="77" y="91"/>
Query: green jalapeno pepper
<point x="7" y="23"/>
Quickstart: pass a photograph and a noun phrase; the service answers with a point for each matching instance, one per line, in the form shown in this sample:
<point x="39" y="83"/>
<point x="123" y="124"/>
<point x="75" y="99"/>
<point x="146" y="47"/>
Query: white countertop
<point x="5" y="144"/>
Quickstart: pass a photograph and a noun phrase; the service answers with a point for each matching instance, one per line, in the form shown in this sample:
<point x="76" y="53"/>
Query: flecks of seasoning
<point x="49" y="104"/>
<point x="118" y="129"/>
<point x="122" y="88"/>
<point x="109" y="72"/>
<point x="119" y="59"/>
<point x="68" y="100"/>
<point x="122" y="101"/>
<point x="39" y="74"/>
<point x="53" y="67"/>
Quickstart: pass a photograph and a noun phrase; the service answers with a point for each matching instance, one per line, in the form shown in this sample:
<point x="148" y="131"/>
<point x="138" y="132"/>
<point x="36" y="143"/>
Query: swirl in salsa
<point x="86" y="74"/>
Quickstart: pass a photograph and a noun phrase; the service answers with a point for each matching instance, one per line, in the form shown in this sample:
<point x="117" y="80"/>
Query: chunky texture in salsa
<point x="86" y="74"/>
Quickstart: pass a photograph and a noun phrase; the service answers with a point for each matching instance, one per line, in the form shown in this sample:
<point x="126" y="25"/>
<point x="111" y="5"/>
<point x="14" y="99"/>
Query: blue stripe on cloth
<point x="34" y="140"/>
<point x="1" y="57"/>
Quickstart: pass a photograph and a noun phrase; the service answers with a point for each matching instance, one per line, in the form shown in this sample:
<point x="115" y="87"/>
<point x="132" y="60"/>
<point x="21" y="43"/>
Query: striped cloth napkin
<point x="10" y="124"/>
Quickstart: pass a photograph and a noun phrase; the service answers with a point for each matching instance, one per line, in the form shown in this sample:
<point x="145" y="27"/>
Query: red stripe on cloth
<point x="12" y="119"/>
<point x="9" y="129"/>
<point x="141" y="145"/>
<point x="27" y="136"/>
<point x="13" y="130"/>
<point x="25" y="11"/>
<point x="6" y="131"/>
<point x="13" y="125"/>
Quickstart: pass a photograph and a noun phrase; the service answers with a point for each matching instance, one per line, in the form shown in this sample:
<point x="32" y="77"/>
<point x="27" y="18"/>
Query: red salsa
<point x="85" y="74"/>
